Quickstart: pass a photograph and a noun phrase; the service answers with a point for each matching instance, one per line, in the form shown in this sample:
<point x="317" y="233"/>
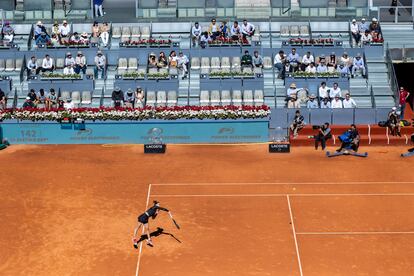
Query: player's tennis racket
<point x="176" y="224"/>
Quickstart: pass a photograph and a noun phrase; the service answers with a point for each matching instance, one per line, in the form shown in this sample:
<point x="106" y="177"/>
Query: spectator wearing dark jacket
<point x="117" y="97"/>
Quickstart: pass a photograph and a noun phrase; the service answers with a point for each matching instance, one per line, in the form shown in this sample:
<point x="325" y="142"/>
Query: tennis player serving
<point x="144" y="218"/>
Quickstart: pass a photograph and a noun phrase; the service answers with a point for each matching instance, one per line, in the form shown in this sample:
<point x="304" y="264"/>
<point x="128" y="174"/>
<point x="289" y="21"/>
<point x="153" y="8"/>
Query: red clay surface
<point x="71" y="210"/>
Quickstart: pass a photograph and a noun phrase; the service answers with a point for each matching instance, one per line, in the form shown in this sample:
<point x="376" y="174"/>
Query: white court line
<point x="294" y="236"/>
<point x="143" y="231"/>
<point x="284" y="183"/>
<point x="277" y="195"/>
<point x="357" y="233"/>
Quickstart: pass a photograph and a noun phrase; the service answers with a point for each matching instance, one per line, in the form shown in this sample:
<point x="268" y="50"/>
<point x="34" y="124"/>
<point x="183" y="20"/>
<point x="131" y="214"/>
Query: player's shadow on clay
<point x="157" y="233"/>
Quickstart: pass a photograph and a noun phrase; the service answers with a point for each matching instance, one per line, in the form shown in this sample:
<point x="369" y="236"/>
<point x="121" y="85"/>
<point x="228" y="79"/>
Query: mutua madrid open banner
<point x="137" y="132"/>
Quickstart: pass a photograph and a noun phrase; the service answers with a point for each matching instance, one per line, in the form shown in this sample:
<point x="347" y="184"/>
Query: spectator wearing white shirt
<point x="336" y="103"/>
<point x="322" y="68"/>
<point x="182" y="63"/>
<point x="311" y="68"/>
<point x="68" y="70"/>
<point x="69" y="60"/>
<point x="307" y="60"/>
<point x="47" y="64"/>
<point x="205" y="39"/>
<point x="104" y="33"/>
<point x="292" y="90"/>
<point x="325" y="103"/>
<point x="64" y="30"/>
<point x="366" y="37"/>
<point x="356" y="36"/>
<point x="100" y="64"/>
<point x="358" y="65"/>
<point x="235" y="31"/>
<point x="68" y="104"/>
<point x="279" y="62"/>
<point x="346" y="60"/>
<point x="80" y="63"/>
<point x="335" y="91"/>
<point x="32" y="67"/>
<point x="214" y="29"/>
<point x="323" y="91"/>
<point x="247" y="29"/>
<point x="196" y="33"/>
<point x="7" y="32"/>
<point x="348" y="102"/>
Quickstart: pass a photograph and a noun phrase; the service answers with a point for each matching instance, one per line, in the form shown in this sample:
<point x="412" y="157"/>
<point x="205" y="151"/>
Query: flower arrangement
<point x="301" y="74"/>
<point x="228" y="41"/>
<point x="133" y="75"/>
<point x="228" y="74"/>
<point x="318" y="41"/>
<point x="61" y="76"/>
<point x="139" y="114"/>
<point x="147" y="42"/>
<point x="158" y="75"/>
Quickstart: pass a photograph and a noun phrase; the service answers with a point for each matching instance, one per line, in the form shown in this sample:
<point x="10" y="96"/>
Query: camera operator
<point x="324" y="133"/>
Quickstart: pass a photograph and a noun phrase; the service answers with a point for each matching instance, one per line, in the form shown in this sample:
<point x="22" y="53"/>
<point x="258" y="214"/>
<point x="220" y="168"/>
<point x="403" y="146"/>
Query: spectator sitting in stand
<point x="332" y="61"/>
<point x="52" y="99"/>
<point x="322" y="68"/>
<point x="32" y="95"/>
<point x="47" y="64"/>
<point x="294" y="59"/>
<point x="246" y="60"/>
<point x="80" y="63"/>
<point x="279" y="62"/>
<point x="247" y="29"/>
<point x="346" y="60"/>
<point x="297" y="124"/>
<point x="129" y="99"/>
<point x="28" y="103"/>
<point x="42" y="39"/>
<point x="75" y="38"/>
<point x="336" y="102"/>
<point x="205" y="39"/>
<point x="323" y="91"/>
<point x="358" y="65"/>
<point x="196" y="34"/>
<point x="335" y="91"/>
<point x="182" y="63"/>
<point x="42" y="99"/>
<point x="104" y="34"/>
<point x="32" y="67"/>
<point x="117" y="97"/>
<point x="84" y="38"/>
<point x="68" y="70"/>
<point x="64" y="30"/>
<point x="213" y="29"/>
<point x="366" y="37"/>
<point x="375" y="29"/>
<point x="54" y="40"/>
<point x="139" y="98"/>
<point x="312" y="102"/>
<point x="343" y="70"/>
<point x="3" y="100"/>
<point x="257" y="60"/>
<point x="348" y="102"/>
<point x="38" y="29"/>
<point x="162" y="61"/>
<point x="224" y="29"/>
<point x="96" y="30"/>
<point x="7" y="32"/>
<point x="293" y="101"/>
<point x="363" y="26"/>
<point x="307" y="60"/>
<point x="152" y="61"/>
<point x="69" y="60"/>
<point x="235" y="31"/>
<point x="55" y="29"/>
<point x="356" y="36"/>
<point x="100" y="64"/>
<point x="68" y="104"/>
<point x="293" y="90"/>
<point x="173" y="59"/>
<point x="311" y="68"/>
<point x="287" y="69"/>
<point x="325" y="103"/>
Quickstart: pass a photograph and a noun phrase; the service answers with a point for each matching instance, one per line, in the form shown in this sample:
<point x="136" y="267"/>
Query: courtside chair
<point x="258" y="97"/>
<point x="304" y="30"/>
<point x="248" y="97"/>
<point x="215" y="98"/>
<point x="267" y="63"/>
<point x="132" y="64"/>
<point x="256" y="36"/>
<point x="116" y="32"/>
<point x="145" y="32"/>
<point x="284" y="31"/>
<point x="195" y="63"/>
<point x="161" y="98"/>
<point x="86" y="98"/>
<point x="65" y="95"/>
<point x="215" y="63"/>
<point x="60" y="63"/>
<point x="237" y="98"/>
<point x="19" y="64"/>
<point x="205" y="65"/>
<point x="225" y="97"/>
<point x="172" y="98"/>
<point x="76" y="98"/>
<point x="126" y="34"/>
<point x="39" y="62"/>
<point x="10" y="65"/>
<point x="122" y="65"/>
<point x="151" y="98"/>
<point x="204" y="98"/>
<point x="225" y="64"/>
<point x="2" y="65"/>
<point x="135" y="33"/>
<point x="294" y="31"/>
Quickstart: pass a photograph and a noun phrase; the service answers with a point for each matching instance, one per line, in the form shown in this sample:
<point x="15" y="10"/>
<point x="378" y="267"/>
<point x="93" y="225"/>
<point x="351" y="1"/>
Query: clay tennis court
<point x="71" y="210"/>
